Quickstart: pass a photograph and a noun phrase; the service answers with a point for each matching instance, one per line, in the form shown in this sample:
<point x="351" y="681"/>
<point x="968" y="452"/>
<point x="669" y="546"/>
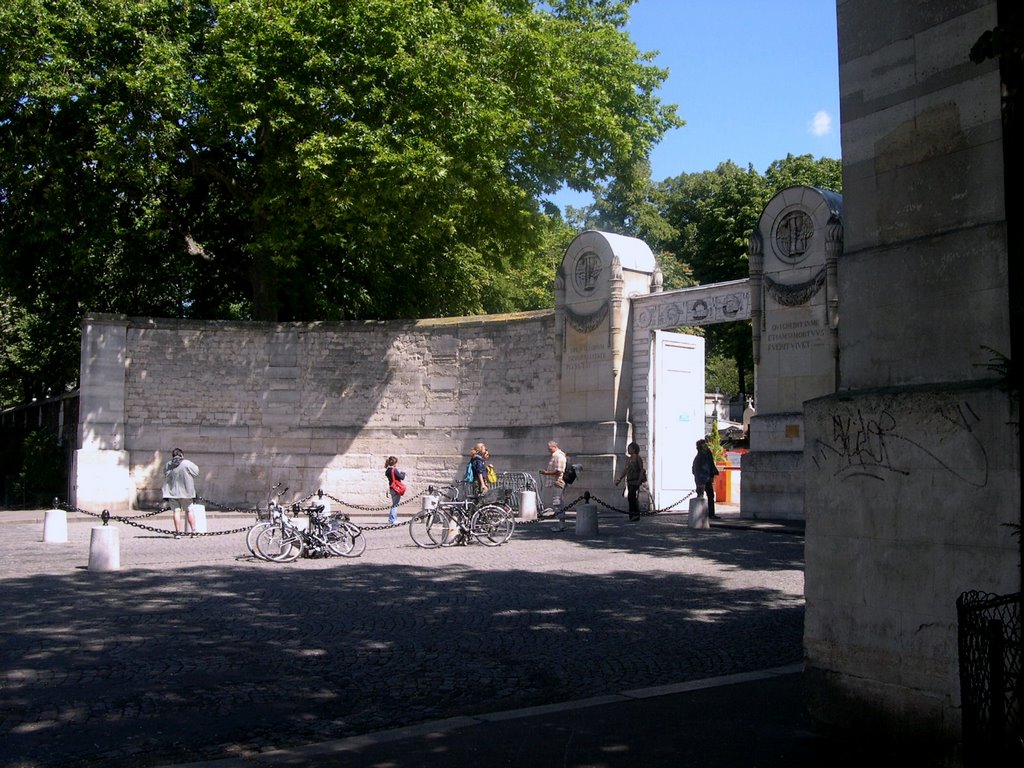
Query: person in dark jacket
<point x="704" y="471"/>
<point x="633" y="473"/>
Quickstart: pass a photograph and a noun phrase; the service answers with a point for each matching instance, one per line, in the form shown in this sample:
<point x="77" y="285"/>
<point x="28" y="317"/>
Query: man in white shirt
<point x="554" y="482"/>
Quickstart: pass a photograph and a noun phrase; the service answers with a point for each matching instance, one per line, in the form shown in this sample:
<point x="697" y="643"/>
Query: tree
<point x="315" y="159"/>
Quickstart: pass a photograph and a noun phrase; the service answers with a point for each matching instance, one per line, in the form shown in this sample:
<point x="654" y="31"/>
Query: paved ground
<point x="194" y="651"/>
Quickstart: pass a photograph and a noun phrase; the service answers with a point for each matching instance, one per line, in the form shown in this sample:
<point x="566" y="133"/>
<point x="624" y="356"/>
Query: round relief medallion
<point x="792" y="235"/>
<point x="585" y="273"/>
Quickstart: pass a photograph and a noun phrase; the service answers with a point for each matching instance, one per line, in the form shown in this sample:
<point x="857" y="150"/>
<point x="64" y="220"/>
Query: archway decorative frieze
<point x="700" y="305"/>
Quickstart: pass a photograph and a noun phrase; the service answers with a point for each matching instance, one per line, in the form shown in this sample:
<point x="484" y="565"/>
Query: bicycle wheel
<point x="279" y="544"/>
<point x="492" y="525"/>
<point x="455" y="531"/>
<point x="358" y="540"/>
<point x="250" y="537"/>
<point x="429" y="528"/>
<point x="346" y="540"/>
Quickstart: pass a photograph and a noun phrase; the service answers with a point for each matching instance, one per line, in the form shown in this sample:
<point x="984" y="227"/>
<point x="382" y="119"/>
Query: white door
<point x="677" y="405"/>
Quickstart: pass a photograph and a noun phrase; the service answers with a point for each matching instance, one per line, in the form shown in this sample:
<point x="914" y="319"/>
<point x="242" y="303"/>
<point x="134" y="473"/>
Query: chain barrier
<point x="544" y="514"/>
<point x="362" y="508"/>
<point x="106" y="517"/>
<point x="643" y="513"/>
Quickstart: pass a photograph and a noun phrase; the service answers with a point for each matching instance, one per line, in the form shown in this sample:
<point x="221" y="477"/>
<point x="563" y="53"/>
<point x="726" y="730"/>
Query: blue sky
<point x="754" y="80"/>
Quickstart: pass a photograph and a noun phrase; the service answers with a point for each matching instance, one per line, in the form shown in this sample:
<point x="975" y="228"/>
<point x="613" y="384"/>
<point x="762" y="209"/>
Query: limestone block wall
<point x="923" y="278"/>
<point x="912" y="467"/>
<point x="910" y="495"/>
<point x="322" y="405"/>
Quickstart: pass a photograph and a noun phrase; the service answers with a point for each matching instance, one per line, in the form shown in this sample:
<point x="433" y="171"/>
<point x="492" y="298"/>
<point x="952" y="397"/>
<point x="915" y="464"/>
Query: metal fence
<point x="989" y="639"/>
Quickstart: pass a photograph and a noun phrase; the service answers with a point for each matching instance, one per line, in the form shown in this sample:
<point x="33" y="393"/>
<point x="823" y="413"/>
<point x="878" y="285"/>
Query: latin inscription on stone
<point x="580" y="357"/>
<point x="789" y="335"/>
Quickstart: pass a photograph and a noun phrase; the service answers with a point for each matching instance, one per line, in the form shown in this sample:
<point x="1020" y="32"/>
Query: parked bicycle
<point x="271" y="516"/>
<point x="446" y="520"/>
<point x="284" y="540"/>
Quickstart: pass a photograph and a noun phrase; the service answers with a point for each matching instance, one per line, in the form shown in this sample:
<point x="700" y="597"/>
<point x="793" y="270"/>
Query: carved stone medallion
<point x="791" y="236"/>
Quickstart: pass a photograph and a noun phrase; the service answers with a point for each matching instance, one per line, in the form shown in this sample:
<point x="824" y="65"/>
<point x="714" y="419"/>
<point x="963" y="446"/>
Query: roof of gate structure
<point x="633" y="254"/>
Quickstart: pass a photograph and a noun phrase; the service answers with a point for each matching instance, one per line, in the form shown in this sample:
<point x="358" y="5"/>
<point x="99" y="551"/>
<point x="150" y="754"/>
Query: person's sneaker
<point x="177" y="535"/>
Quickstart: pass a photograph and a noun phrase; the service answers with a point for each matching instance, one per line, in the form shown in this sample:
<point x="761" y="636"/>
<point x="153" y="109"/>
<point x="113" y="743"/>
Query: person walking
<point x="704" y="471"/>
<point x="396" y="487"/>
<point x="554" y="483"/>
<point x="634" y="474"/>
<point x="179" y="489"/>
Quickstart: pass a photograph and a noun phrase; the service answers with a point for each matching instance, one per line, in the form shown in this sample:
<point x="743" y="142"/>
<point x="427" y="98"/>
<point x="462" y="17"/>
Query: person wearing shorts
<point x="179" y="489"/>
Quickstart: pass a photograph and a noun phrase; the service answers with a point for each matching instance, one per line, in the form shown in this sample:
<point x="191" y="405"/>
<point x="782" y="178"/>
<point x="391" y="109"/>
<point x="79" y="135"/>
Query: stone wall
<point x="322" y="405"/>
<point x="912" y="467"/>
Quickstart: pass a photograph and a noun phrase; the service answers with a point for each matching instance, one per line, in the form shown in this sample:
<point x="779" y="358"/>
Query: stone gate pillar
<point x="794" y="252"/>
<point x="101" y="473"/>
<point x="599" y="273"/>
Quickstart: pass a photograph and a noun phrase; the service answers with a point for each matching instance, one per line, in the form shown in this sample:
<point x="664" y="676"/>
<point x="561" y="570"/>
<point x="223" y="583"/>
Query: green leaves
<point x="304" y="160"/>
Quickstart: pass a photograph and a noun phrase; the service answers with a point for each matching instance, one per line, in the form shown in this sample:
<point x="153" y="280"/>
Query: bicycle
<point x="272" y="516"/>
<point x="447" y="521"/>
<point x="326" y="534"/>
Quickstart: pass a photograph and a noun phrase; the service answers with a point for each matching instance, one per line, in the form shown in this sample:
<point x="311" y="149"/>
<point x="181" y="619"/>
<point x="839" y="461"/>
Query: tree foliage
<point x="308" y="159"/>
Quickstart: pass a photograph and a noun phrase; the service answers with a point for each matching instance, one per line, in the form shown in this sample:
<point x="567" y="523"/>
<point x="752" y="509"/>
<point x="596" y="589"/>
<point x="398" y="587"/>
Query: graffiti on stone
<point x="874" y="445"/>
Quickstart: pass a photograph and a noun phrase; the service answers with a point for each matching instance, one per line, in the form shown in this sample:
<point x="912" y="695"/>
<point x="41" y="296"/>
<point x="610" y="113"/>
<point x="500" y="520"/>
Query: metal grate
<point x="989" y="639"/>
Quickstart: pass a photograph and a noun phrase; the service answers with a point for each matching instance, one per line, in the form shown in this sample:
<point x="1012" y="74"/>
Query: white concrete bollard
<point x="104" y="549"/>
<point x="698" y="514"/>
<point x="55" y="526"/>
<point x="528" y="505"/>
<point x="586" y="520"/>
<point x="199" y="514"/>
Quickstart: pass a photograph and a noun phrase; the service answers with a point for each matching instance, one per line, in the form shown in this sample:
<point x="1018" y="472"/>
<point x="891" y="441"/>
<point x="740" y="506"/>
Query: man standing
<point x="180" y="489"/>
<point x="554" y="482"/>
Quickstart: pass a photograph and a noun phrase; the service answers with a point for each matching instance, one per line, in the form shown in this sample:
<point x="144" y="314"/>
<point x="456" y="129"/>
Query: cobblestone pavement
<point x="194" y="650"/>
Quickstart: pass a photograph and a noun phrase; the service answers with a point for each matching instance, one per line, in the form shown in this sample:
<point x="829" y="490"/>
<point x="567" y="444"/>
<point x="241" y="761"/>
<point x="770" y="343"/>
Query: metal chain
<point x="130" y="520"/>
<point x="224" y="507"/>
<point x="106" y="517"/>
<point x="363" y="508"/>
<point x="648" y="513"/>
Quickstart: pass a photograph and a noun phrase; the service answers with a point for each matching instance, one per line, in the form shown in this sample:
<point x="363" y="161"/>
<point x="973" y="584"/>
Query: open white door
<point x="677" y="406"/>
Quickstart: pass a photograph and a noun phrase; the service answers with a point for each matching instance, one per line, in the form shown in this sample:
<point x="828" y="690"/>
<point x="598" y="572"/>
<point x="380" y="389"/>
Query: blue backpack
<point x="469" y="473"/>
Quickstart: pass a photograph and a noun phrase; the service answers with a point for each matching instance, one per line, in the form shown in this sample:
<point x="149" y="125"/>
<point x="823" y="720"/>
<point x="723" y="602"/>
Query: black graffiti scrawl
<point x="873" y="444"/>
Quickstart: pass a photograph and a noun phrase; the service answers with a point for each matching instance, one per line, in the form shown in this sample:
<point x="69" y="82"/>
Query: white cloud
<point x="821" y="125"/>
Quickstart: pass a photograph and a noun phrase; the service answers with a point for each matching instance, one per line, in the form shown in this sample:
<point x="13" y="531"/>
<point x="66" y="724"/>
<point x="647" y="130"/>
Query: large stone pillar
<point x="794" y="312"/>
<point x="100" y="471"/>
<point x="598" y="275"/>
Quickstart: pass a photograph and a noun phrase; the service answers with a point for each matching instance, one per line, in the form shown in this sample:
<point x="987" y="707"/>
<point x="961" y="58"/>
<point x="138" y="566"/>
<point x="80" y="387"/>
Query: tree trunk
<point x="262" y="276"/>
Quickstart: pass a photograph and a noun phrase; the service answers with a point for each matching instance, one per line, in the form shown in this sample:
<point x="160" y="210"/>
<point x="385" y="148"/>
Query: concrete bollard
<point x="199" y="513"/>
<point x="586" y="520"/>
<point x="55" y="526"/>
<point x="698" y="514"/>
<point x="104" y="549"/>
<point x="528" y="505"/>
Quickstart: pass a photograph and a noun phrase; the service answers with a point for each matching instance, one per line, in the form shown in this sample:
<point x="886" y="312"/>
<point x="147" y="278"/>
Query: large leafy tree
<point x="299" y="159"/>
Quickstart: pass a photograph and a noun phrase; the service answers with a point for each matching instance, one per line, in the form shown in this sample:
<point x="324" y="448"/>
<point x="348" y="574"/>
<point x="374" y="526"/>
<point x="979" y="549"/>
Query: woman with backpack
<point x="478" y="464"/>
